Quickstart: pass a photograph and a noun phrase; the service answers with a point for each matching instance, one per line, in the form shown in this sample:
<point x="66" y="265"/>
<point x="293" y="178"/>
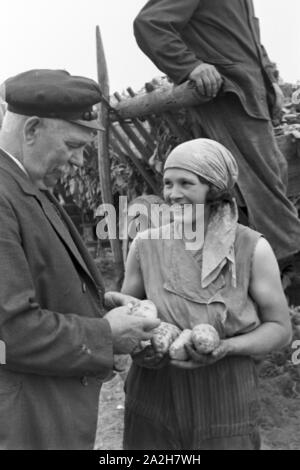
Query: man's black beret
<point x="54" y="94"/>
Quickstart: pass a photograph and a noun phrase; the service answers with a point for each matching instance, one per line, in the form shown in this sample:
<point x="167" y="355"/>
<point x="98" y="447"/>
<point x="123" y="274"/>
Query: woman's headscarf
<point x="213" y="162"/>
<point x="208" y="159"/>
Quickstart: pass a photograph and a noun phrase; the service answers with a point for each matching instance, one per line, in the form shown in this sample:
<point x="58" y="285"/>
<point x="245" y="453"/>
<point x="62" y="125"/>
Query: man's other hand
<point x="207" y="79"/>
<point x="129" y="330"/>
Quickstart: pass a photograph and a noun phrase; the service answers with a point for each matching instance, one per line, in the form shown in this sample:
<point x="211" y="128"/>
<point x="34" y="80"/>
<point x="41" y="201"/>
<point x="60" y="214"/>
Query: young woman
<point x="228" y="278"/>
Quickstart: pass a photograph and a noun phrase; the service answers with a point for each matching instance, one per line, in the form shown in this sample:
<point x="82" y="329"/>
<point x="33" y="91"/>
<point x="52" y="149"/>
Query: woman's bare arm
<point x="266" y="290"/>
<point x="133" y="282"/>
<point x="275" y="330"/>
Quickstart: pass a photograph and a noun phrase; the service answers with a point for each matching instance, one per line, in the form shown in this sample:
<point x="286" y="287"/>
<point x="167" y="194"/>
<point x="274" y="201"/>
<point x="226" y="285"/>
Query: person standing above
<point x="217" y="45"/>
<point x="59" y="346"/>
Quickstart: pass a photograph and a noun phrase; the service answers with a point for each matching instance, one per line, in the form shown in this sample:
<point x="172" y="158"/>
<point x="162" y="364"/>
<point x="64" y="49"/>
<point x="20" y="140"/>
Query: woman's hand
<point x="199" y="360"/>
<point x="150" y="359"/>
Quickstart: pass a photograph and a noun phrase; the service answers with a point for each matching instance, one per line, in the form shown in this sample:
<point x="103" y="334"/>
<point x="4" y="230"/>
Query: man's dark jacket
<point x="178" y="35"/>
<point x="58" y="346"/>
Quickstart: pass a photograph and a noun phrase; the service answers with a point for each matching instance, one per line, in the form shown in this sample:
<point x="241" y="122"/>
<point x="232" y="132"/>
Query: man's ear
<point x="31" y="129"/>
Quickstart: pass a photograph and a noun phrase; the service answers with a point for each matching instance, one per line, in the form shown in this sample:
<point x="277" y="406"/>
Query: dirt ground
<point x="111" y="412"/>
<point x="279" y="390"/>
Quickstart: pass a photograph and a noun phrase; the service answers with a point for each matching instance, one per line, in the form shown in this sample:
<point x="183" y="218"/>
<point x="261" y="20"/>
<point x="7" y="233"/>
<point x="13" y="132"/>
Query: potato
<point x="205" y="338"/>
<point x="163" y="336"/>
<point x="177" y="349"/>
<point x="144" y="308"/>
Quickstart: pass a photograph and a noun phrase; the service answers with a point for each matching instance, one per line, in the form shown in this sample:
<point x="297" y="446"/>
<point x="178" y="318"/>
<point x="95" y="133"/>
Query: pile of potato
<point x="169" y="339"/>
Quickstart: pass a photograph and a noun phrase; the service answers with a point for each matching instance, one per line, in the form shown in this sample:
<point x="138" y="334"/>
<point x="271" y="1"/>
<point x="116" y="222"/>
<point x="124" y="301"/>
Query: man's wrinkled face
<point x="54" y="147"/>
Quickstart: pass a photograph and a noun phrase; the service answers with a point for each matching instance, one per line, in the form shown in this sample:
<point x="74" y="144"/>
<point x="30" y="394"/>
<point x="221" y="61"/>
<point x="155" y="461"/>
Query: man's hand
<point x="117" y="299"/>
<point x="129" y="330"/>
<point x="199" y="360"/>
<point x="150" y="359"/>
<point x="207" y="79"/>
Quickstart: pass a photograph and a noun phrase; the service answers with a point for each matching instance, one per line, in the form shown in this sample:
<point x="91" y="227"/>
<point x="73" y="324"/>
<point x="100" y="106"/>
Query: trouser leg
<point x="141" y="433"/>
<point x="262" y="170"/>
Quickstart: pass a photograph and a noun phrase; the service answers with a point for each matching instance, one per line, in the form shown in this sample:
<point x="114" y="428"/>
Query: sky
<point x="61" y="34"/>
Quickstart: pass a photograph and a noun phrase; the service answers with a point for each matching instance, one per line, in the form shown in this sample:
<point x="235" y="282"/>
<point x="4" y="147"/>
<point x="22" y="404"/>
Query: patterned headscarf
<point x="213" y="162"/>
<point x="208" y="159"/>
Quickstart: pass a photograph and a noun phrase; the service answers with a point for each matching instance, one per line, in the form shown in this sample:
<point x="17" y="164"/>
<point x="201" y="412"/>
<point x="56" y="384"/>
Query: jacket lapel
<point x="68" y="231"/>
<point x="58" y="222"/>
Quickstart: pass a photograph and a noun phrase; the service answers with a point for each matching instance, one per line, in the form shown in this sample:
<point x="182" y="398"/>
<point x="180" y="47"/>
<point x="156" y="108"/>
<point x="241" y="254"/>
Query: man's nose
<point x="77" y="158"/>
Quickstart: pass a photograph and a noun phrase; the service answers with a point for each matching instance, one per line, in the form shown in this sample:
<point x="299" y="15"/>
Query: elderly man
<point x="216" y="44"/>
<point x="59" y="347"/>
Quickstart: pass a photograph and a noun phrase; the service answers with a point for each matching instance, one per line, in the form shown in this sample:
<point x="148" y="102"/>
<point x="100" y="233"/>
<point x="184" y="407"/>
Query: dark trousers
<point x="141" y="433"/>
<point x="262" y="170"/>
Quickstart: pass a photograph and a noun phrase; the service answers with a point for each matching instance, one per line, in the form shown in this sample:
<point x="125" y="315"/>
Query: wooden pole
<point x="103" y="150"/>
<point x="161" y="100"/>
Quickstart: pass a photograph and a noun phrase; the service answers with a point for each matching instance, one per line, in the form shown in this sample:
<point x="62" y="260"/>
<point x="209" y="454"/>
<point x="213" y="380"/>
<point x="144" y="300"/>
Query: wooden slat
<point x="118" y="151"/>
<point x="140" y="146"/>
<point x="103" y="150"/>
<point x="140" y="128"/>
<point x="137" y="163"/>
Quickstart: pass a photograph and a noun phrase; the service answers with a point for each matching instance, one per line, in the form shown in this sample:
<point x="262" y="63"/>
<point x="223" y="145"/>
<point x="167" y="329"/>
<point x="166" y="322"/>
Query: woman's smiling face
<point x="184" y="187"/>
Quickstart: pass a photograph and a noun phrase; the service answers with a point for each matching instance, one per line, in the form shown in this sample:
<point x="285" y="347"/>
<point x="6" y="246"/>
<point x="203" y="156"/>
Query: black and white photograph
<point x="150" y="228"/>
